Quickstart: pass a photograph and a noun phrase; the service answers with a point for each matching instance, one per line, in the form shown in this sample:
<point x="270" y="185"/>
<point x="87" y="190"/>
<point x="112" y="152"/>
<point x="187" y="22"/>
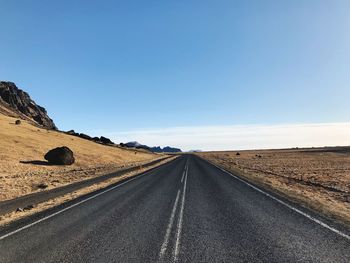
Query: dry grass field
<point x="22" y="166"/>
<point x="318" y="178"/>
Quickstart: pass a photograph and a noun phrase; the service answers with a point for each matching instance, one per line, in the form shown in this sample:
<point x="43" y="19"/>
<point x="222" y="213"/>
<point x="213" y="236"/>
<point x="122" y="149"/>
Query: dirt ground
<point x="318" y="178"/>
<point x="23" y="168"/>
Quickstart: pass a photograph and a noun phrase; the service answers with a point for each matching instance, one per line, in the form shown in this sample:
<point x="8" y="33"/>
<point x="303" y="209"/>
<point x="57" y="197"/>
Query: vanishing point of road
<point x="184" y="211"/>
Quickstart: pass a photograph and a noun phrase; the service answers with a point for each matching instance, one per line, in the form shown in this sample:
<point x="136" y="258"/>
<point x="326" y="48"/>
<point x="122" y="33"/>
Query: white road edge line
<point x="179" y="226"/>
<point x="74" y="205"/>
<point x="168" y="231"/>
<point x="285" y="204"/>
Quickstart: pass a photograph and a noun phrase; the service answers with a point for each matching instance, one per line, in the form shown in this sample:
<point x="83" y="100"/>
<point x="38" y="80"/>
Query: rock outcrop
<point x="101" y="139"/>
<point x="105" y="140"/>
<point x="15" y="102"/>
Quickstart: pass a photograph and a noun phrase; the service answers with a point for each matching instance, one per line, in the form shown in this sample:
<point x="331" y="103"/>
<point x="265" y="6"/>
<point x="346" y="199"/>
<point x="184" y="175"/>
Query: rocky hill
<point x="14" y="102"/>
<point x="166" y="149"/>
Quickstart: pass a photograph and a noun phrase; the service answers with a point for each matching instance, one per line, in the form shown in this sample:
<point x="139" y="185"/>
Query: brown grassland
<point x="23" y="168"/>
<point x="317" y="178"/>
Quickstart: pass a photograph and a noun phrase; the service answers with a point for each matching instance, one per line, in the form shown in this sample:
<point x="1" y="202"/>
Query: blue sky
<point x="135" y="66"/>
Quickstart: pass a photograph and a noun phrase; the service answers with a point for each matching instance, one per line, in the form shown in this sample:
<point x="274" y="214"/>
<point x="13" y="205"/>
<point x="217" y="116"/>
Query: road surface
<point x="185" y="211"/>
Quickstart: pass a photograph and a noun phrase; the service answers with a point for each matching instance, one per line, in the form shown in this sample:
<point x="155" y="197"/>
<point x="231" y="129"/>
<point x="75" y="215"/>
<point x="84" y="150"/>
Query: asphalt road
<point x="39" y="197"/>
<point x="185" y="211"/>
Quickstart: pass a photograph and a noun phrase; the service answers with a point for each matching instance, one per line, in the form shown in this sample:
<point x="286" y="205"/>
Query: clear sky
<point x="127" y="68"/>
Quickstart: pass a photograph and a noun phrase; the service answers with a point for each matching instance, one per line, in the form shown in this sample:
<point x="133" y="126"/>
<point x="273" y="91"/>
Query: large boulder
<point x="60" y="156"/>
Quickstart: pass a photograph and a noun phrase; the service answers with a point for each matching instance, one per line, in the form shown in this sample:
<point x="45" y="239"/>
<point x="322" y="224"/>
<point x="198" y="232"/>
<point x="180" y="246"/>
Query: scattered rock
<point x="60" y="156"/>
<point x="42" y="186"/>
<point x="19" y="209"/>
<point x="28" y="207"/>
<point x="18" y="122"/>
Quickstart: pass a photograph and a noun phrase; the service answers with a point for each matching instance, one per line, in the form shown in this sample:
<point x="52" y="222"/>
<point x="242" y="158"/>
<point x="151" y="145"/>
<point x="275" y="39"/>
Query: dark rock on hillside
<point x="18" y="122"/>
<point x="101" y="139"/>
<point x="85" y="136"/>
<point x="17" y="103"/>
<point x="105" y="140"/>
<point x="71" y="132"/>
<point x="60" y="156"/>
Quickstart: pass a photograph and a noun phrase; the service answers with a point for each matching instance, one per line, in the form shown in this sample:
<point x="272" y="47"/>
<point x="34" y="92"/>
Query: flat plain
<point x="318" y="178"/>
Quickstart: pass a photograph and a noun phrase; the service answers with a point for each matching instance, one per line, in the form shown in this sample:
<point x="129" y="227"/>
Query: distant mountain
<point x="134" y="144"/>
<point x="169" y="149"/>
<point x="16" y="103"/>
<point x="156" y="149"/>
<point x="166" y="149"/>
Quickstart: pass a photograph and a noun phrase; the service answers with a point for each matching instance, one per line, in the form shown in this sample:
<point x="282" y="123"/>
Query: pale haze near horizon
<point x="241" y="137"/>
<point x="230" y="73"/>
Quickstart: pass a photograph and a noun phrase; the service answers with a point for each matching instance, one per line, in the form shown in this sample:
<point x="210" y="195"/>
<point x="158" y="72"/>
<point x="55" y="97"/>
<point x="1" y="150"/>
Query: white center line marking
<point x="179" y="226"/>
<point x="285" y="204"/>
<point x="170" y="225"/>
<point x="183" y="175"/>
